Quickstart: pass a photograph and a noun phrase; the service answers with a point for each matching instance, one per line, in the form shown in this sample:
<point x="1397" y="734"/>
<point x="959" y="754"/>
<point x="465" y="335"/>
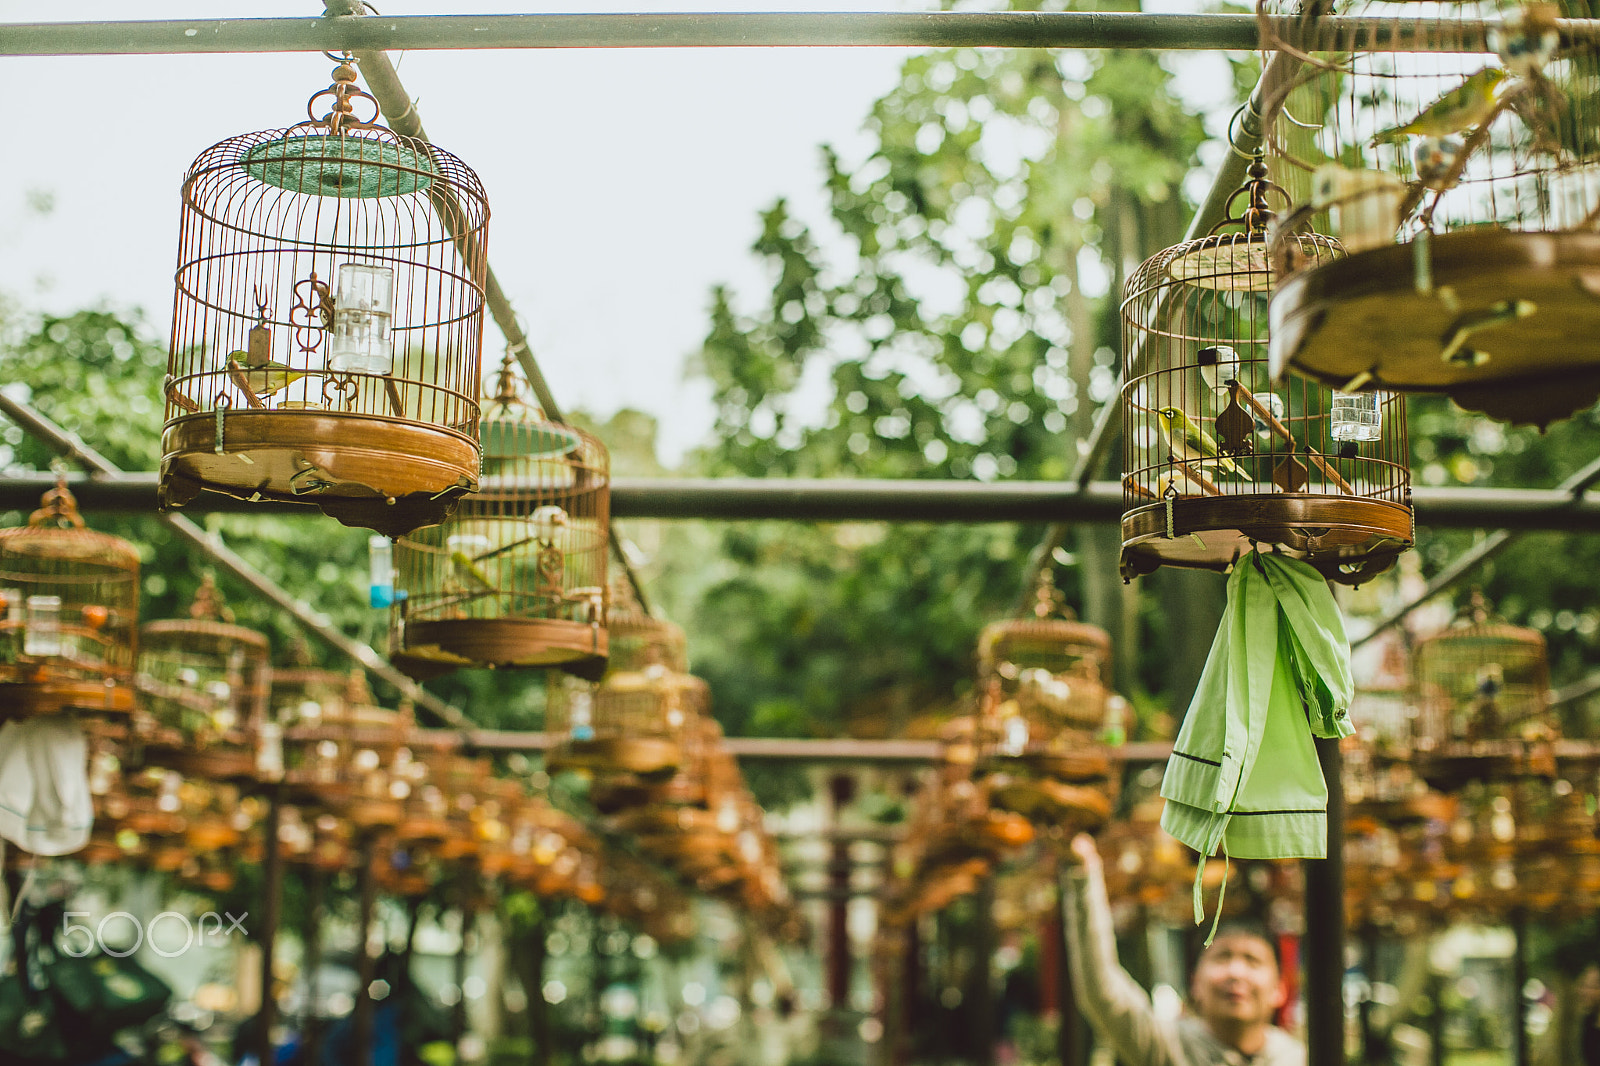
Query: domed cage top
<point x="70" y="614"/>
<point x="327" y="320"/>
<point x="204" y="684"/>
<point x="1470" y="134"/>
<point x="1219" y="458"/>
<point x="1481" y="679"/>
<point x="517" y="576"/>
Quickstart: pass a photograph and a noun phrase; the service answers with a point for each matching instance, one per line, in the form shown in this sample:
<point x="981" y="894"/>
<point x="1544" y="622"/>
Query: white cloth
<point x="45" y="806"/>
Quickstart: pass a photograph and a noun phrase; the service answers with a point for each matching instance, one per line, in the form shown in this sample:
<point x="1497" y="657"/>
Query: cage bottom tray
<point x="1349" y="539"/>
<point x="1364" y="314"/>
<point x="632" y="755"/>
<point x="368" y="471"/>
<point x="213" y="763"/>
<point x="1053" y="801"/>
<point x="576" y="647"/>
<point x="24" y="699"/>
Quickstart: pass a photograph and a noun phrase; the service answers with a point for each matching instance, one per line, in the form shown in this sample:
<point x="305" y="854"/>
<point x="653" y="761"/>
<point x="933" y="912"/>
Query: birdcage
<point x="1043" y="706"/>
<point x="1217" y="457"/>
<point x="517" y="576"/>
<point x="1482" y="680"/>
<point x="327" y="320"/>
<point x="70" y="614"/>
<point x="1456" y="152"/>
<point x="204" y="681"/>
<point x="639" y="717"/>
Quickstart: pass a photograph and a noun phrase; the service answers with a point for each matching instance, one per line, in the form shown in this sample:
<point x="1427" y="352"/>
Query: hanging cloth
<point x="1244" y="774"/>
<point x="45" y="806"/>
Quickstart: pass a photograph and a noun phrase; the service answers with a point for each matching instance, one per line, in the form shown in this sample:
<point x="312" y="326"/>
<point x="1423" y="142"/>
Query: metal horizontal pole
<point x="830" y="29"/>
<point x="866" y="500"/>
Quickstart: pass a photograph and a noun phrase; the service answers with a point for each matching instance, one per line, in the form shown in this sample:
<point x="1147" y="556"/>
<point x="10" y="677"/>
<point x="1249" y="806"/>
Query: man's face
<point x="1237" y="981"/>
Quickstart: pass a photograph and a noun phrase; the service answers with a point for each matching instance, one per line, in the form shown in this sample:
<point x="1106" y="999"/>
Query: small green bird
<point x="468" y="572"/>
<point x="266" y="379"/>
<point x="1467" y="105"/>
<point x="1187" y="442"/>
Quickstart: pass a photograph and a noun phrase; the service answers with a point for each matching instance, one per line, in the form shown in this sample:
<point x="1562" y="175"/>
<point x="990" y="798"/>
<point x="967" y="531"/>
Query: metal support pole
<point x="367" y="893"/>
<point x="842" y="789"/>
<point x="982" y="1008"/>
<point x="311" y="1023"/>
<point x="1519" y="981"/>
<point x="68" y="445"/>
<point x="271" y="902"/>
<point x="946" y="29"/>
<point x="1324" y="924"/>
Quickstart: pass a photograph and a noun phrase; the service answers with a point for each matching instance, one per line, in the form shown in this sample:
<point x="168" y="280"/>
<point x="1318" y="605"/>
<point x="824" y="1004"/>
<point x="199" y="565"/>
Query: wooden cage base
<point x="631" y="755"/>
<point x="215" y="762"/>
<point x="372" y="472"/>
<point x="1349" y="539"/>
<point x="25" y="699"/>
<point x="436" y="647"/>
<point x="1385" y="318"/>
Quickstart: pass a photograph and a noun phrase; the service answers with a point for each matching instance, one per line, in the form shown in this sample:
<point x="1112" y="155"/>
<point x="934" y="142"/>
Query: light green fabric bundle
<point x="1244" y="774"/>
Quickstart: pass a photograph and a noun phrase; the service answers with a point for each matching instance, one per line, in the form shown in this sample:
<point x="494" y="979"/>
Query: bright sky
<point x="623" y="184"/>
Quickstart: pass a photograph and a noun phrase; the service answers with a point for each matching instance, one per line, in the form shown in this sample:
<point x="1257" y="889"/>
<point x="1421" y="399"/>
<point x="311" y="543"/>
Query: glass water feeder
<point x="517" y="576"/>
<point x="327" y="320"/>
<point x="1469" y="227"/>
<point x="69" y="613"/>
<point x="1219" y="457"/>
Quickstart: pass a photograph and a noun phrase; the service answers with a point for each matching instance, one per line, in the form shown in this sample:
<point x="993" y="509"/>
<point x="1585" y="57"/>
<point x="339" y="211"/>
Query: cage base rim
<point x="1370" y="319"/>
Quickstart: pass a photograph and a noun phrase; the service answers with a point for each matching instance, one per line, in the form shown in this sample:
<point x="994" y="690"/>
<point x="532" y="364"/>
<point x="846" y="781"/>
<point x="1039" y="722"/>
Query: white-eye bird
<point x="1459" y="110"/>
<point x="468" y="572"/>
<point x="1187" y="442"/>
<point x="266" y="379"/>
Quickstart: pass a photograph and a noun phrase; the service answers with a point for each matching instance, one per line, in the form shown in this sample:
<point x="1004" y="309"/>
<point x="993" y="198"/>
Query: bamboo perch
<point x="236" y="373"/>
<point x="1242" y="394"/>
<point x="1197" y="477"/>
<point x="393" y="390"/>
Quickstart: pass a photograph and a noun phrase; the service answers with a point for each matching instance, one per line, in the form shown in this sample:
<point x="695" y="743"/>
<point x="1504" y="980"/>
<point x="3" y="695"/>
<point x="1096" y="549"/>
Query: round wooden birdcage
<point x="643" y="716"/>
<point x="517" y="576"/>
<point x="1042" y="707"/>
<point x="1457" y="156"/>
<point x="1483" y="680"/>
<point x="1218" y="457"/>
<point x="70" y="614"/>
<point x="204" y="683"/>
<point x="327" y="320"/>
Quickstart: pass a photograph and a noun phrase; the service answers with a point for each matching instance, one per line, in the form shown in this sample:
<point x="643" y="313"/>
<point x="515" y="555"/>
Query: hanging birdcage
<point x="204" y="682"/>
<point x="638" y="718"/>
<point x="1456" y="153"/>
<point x="1043" y="706"/>
<point x="517" y="576"/>
<point x="70" y="614"/>
<point x="1483" y="680"/>
<point x="328" y="320"/>
<point x="1218" y="459"/>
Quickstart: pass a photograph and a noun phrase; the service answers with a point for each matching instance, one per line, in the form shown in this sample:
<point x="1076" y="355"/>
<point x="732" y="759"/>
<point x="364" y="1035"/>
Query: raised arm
<point x="1115" y="1004"/>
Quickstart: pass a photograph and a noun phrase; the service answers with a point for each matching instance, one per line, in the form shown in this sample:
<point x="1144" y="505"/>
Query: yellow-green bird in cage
<point x="1466" y="106"/>
<point x="1187" y="442"/>
<point x="268" y="378"/>
<point x="468" y="572"/>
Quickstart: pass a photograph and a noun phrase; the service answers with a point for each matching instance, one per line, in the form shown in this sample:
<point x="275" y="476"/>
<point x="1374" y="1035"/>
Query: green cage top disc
<point x="348" y="167"/>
